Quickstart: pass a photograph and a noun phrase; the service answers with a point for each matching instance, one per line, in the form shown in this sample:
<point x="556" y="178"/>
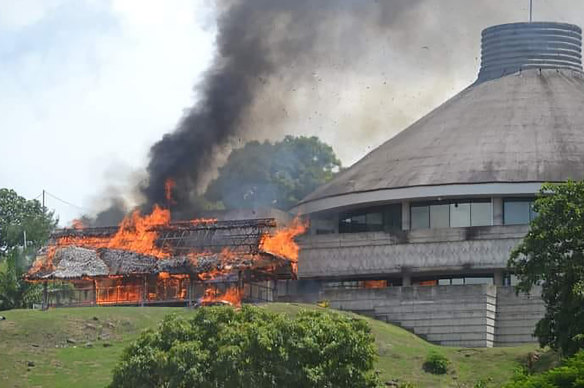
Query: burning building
<point x="416" y="233"/>
<point x="444" y="202"/>
<point x="149" y="259"/>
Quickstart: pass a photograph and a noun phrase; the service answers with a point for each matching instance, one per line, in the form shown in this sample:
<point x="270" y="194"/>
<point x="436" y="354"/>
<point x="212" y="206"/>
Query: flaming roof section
<point x="197" y="248"/>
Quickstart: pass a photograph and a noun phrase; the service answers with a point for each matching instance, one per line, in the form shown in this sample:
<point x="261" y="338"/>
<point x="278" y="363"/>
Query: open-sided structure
<point x="163" y="263"/>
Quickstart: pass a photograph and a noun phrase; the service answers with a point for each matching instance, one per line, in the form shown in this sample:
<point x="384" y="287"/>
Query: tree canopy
<point x="17" y="214"/>
<point x="552" y="255"/>
<point x="222" y="347"/>
<point x="569" y="374"/>
<point x="274" y="174"/>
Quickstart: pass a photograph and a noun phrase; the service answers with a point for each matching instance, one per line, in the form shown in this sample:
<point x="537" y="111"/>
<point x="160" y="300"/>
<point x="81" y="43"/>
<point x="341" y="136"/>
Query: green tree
<point x="19" y="215"/>
<point x="552" y="255"/>
<point x="14" y="291"/>
<point x="570" y="374"/>
<point x="222" y="347"/>
<point x="274" y="174"/>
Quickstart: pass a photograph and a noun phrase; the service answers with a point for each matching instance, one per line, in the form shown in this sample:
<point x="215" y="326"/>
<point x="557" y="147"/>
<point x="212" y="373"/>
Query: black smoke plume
<point x="257" y="41"/>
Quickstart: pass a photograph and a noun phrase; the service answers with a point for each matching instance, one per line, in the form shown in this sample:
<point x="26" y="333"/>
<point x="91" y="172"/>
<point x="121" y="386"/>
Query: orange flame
<point x="232" y="295"/>
<point x="282" y="242"/>
<point x="135" y="234"/>
<point x="169" y="185"/>
<point x="374" y="283"/>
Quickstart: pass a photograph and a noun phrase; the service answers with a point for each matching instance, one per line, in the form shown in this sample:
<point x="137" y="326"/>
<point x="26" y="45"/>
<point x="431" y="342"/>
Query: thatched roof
<point x="72" y="262"/>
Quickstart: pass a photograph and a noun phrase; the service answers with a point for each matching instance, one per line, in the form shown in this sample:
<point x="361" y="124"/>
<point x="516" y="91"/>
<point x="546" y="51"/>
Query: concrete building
<point x="419" y="231"/>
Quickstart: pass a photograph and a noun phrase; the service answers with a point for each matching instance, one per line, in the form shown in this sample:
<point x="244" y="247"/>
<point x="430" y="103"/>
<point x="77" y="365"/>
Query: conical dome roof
<point x="527" y="125"/>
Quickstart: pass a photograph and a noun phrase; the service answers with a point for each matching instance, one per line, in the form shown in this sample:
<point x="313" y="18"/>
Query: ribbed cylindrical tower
<point x="510" y="48"/>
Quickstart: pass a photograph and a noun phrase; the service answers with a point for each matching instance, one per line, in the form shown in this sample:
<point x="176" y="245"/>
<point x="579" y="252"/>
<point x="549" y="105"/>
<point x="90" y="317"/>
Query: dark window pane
<point x="393" y="217"/>
<point x="374" y="219"/>
<point x="375" y="222"/>
<point x="516" y="212"/>
<point x="420" y="217"/>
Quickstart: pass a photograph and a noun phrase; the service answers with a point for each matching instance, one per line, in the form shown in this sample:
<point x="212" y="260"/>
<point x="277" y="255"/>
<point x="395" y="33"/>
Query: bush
<point x="222" y="347"/>
<point x="436" y="363"/>
<point x="14" y="291"/>
<point x="570" y="374"/>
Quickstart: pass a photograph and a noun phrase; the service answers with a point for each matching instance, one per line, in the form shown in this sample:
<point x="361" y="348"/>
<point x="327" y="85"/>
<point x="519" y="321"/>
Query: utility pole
<point x="530" y="11"/>
<point x="43" y="198"/>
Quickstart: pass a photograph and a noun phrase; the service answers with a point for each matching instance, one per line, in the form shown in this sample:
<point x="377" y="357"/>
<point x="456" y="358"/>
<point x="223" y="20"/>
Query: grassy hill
<point x="80" y="346"/>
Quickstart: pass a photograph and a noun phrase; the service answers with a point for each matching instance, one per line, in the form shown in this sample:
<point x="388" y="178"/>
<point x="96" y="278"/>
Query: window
<point x="420" y="217"/>
<point x="467" y="280"/>
<point x="478" y="280"/>
<point x="439" y="216"/>
<point x="459" y="215"/>
<point x="368" y="222"/>
<point x="374" y="219"/>
<point x="453" y="214"/>
<point x="481" y="213"/>
<point x="518" y="211"/>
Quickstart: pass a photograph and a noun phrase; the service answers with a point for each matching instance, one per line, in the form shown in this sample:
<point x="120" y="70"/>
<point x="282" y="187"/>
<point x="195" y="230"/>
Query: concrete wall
<point x="449" y="315"/>
<point x="517" y="316"/>
<point x="466" y="315"/>
<point x="451" y="249"/>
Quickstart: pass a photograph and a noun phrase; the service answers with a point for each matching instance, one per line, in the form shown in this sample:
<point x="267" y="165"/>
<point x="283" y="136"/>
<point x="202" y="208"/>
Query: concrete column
<point x="498" y="277"/>
<point x="406" y="280"/>
<point x="497" y="211"/>
<point x="405" y="215"/>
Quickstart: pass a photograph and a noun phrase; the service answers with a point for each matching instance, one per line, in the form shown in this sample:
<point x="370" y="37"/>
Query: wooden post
<point x="190" y="292"/>
<point x="94" y="284"/>
<point x="144" y="286"/>
<point x="45" y="304"/>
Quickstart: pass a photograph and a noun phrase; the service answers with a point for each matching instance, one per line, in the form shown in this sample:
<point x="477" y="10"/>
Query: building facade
<point x="423" y="225"/>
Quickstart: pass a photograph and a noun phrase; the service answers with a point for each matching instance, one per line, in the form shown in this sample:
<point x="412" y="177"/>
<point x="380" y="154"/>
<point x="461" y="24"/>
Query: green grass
<point x="41" y="337"/>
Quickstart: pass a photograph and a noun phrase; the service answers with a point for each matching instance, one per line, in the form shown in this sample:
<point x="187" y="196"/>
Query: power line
<point x="65" y="202"/>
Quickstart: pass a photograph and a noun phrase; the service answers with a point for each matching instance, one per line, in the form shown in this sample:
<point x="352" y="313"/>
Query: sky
<point x="87" y="86"/>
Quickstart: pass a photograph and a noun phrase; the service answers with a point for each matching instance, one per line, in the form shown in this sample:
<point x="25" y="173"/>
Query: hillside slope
<point x="80" y="346"/>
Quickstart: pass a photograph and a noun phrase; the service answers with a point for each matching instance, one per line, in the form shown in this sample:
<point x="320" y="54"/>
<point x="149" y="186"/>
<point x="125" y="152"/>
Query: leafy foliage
<point x="273" y="174"/>
<point x="552" y="254"/>
<point x="14" y="291"/>
<point x="221" y="347"/>
<point x="436" y="363"/>
<point x="17" y="214"/>
<point x="570" y="374"/>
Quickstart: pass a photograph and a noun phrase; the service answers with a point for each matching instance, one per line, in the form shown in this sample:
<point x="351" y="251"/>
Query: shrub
<point x="436" y="363"/>
<point x="222" y="347"/>
<point x="14" y="291"/>
<point x="570" y="374"/>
